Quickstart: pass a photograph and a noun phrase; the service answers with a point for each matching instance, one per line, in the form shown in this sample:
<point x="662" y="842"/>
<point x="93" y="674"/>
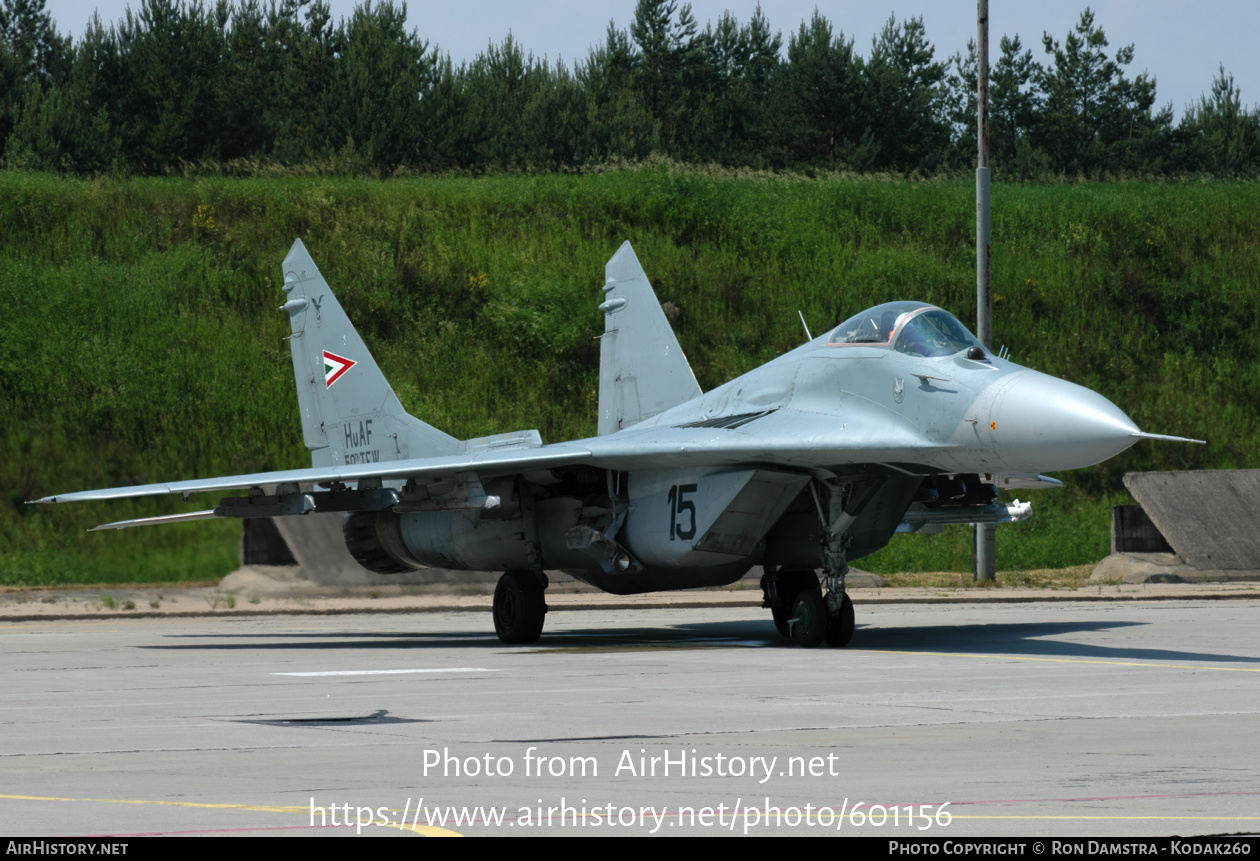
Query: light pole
<point x="986" y="562"/>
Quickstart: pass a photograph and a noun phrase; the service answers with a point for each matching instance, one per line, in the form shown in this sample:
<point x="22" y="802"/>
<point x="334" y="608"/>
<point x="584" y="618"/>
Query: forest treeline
<point x="247" y="86"/>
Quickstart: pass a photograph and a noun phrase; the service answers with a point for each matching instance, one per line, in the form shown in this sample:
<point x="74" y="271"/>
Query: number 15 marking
<point x="678" y="503"/>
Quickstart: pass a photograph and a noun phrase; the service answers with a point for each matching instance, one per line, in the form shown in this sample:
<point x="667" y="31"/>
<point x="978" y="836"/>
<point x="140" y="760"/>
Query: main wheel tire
<point x="791" y="583"/>
<point x="780" y="615"/>
<point x="840" y="626"/>
<point x="519" y="607"/>
<point x="809" y="615"/>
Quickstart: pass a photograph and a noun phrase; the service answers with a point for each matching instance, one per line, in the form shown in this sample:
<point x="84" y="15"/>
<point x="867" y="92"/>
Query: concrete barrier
<point x="1210" y="520"/>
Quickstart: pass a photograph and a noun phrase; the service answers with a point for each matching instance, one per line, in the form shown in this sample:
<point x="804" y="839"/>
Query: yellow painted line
<point x="257" y="807"/>
<point x="1065" y="660"/>
<point x="1154" y="818"/>
<point x="433" y="831"/>
<point x="426" y="830"/>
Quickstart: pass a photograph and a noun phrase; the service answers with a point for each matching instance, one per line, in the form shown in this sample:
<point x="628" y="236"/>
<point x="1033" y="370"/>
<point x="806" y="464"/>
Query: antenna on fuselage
<point x="808" y="336"/>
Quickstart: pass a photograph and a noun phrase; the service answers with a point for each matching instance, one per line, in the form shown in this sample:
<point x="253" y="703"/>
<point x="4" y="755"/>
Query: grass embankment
<point x="141" y="342"/>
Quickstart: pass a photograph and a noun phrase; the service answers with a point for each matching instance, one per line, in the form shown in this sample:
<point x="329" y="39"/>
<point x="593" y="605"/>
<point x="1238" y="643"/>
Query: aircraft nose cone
<point x="1041" y="424"/>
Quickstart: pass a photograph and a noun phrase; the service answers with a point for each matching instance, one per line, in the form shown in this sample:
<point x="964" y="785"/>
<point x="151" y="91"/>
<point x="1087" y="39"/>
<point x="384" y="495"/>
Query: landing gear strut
<point x="519" y="607"/>
<point x="801" y="611"/>
<point x="835" y="517"/>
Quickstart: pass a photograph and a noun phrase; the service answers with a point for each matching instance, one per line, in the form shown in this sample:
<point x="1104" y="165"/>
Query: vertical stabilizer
<point x="349" y="412"/>
<point x="642" y="369"/>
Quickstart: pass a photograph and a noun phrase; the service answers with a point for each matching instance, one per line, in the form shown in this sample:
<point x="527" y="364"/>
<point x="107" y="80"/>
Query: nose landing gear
<point x="802" y="612"/>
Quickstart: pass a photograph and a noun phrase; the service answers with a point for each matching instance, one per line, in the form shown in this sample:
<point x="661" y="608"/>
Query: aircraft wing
<point x="502" y="462"/>
<point x="636" y="448"/>
<point x="786" y="439"/>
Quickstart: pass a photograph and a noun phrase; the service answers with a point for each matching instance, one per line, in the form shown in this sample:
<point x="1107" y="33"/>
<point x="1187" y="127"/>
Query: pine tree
<point x="1095" y="118"/>
<point x="1218" y="135"/>
<point x="820" y="93"/>
<point x="904" y="98"/>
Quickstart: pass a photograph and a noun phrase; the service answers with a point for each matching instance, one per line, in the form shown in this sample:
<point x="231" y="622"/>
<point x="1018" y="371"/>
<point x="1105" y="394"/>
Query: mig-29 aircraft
<point x="896" y="420"/>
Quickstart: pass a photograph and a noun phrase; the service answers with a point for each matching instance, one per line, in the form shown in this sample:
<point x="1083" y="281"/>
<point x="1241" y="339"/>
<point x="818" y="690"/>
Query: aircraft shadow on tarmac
<point x="379" y="717"/>
<point x="1025" y="639"/>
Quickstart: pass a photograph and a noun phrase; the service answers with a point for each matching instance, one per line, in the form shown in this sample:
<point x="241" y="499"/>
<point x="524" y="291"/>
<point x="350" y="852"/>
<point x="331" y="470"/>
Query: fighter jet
<point x="896" y="420"/>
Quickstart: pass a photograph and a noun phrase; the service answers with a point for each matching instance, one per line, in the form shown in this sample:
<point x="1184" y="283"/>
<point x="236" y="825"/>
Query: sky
<point x="1181" y="44"/>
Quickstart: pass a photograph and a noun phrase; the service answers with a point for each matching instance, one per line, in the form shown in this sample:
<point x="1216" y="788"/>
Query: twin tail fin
<point x="350" y="414"/>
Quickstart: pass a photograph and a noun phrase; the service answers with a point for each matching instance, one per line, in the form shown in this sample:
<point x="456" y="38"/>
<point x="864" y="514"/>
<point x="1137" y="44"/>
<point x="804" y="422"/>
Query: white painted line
<point x="392" y="672"/>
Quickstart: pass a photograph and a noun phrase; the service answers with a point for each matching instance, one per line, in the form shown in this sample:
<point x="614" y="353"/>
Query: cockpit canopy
<point x="911" y="327"/>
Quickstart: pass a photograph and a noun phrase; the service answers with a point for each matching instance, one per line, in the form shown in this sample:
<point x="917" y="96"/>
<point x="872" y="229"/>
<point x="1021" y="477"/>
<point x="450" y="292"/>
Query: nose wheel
<point x="519" y="607"/>
<point x="803" y="613"/>
<point x="809" y="618"/>
<point x="781" y="594"/>
<point x="840" y="623"/>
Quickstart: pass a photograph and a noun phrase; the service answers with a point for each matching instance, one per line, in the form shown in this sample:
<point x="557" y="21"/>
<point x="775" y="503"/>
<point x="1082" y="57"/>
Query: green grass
<point x="1068" y="528"/>
<point x="141" y="340"/>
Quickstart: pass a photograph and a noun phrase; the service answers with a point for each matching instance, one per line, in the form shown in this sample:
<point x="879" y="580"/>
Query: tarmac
<point x="1004" y="716"/>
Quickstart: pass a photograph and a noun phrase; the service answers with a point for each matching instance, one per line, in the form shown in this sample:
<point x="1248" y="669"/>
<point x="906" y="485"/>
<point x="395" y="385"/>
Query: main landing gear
<point x="519" y="607"/>
<point x="803" y="613"/>
<point x="800" y="609"/>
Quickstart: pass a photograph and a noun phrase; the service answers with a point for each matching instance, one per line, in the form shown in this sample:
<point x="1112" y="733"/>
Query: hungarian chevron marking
<point x="335" y="366"/>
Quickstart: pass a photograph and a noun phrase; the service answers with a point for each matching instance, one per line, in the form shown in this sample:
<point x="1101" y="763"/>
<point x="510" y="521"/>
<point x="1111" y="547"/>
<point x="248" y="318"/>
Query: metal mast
<point x="986" y="563"/>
